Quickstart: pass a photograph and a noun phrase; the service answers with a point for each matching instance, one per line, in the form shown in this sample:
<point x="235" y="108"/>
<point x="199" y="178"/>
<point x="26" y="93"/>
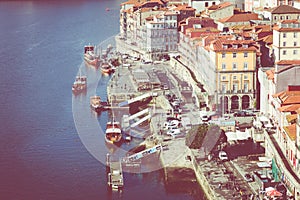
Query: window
<point x="234" y="66"/>
<point x="295" y="44"/>
<point x="223" y="78"/>
<point x="224" y="88"/>
<point x="234" y="55"/>
<point x="235" y="46"/>
<point x="295" y="34"/>
<point x="284" y="44"/>
<point x="284" y="52"/>
<point x="284" y="35"/>
<point x="246" y="86"/>
<point x="234" y="77"/>
<point x="275" y="18"/>
<point x="223" y="55"/>
<point x="206" y="4"/>
<point x="245" y="66"/>
<point x="295" y="52"/>
<point x="235" y="87"/>
<point x="223" y="66"/>
<point x="245" y="54"/>
<point x="245" y="77"/>
<point x="281" y="17"/>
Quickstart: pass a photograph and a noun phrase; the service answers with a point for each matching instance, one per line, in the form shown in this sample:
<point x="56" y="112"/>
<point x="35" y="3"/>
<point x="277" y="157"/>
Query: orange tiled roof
<point x="184" y="7"/>
<point x="218" y="45"/>
<point x="267" y="39"/>
<point x="291" y="118"/>
<point x="219" y="6"/>
<point x="289" y="108"/>
<point x="288" y="62"/>
<point x="288" y="97"/>
<point x="291" y="131"/>
<point x="270" y="74"/>
<point x="244" y="17"/>
<point x="285" y="9"/>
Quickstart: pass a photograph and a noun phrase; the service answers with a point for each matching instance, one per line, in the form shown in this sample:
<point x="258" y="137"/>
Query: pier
<point x="115" y="174"/>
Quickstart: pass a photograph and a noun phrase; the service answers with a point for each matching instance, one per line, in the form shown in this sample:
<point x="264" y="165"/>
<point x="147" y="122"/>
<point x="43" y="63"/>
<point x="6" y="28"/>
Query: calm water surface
<point x="42" y="155"/>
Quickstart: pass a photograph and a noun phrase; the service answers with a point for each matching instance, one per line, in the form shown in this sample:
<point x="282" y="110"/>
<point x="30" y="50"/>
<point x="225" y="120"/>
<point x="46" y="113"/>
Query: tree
<point x="195" y="136"/>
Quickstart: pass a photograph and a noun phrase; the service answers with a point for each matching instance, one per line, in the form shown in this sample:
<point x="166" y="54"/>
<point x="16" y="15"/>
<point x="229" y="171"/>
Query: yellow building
<point x="235" y="62"/>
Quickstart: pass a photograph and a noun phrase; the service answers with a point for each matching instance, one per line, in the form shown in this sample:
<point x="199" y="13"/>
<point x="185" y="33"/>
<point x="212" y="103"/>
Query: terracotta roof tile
<point x="291" y="118"/>
<point x="289" y="108"/>
<point x="288" y="62"/>
<point x="240" y="17"/>
<point x="270" y="74"/>
<point x="219" y="6"/>
<point x="291" y="131"/>
<point x="285" y="9"/>
<point x="288" y="97"/>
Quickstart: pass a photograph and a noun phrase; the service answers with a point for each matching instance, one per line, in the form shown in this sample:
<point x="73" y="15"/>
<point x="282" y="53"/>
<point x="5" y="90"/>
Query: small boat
<point x="80" y="84"/>
<point x="105" y="68"/>
<point x="98" y="105"/>
<point x="90" y="56"/>
<point x="113" y="133"/>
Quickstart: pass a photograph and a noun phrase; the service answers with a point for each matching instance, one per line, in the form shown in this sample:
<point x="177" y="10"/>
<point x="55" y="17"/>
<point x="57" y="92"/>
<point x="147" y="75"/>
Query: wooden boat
<point x="98" y="105"/>
<point x="90" y="56"/>
<point x="113" y="133"/>
<point x="80" y="84"/>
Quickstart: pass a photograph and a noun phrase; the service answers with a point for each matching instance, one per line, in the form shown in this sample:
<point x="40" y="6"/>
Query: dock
<point x="115" y="174"/>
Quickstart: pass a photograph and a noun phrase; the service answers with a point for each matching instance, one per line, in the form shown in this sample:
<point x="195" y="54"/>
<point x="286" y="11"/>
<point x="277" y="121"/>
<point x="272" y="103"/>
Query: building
<point x="162" y="34"/>
<point x="201" y="5"/>
<point x="286" y="43"/>
<point x="235" y="62"/>
<point x="283" y="145"/>
<point x="281" y="12"/>
<point x="219" y="11"/>
<point x="236" y="19"/>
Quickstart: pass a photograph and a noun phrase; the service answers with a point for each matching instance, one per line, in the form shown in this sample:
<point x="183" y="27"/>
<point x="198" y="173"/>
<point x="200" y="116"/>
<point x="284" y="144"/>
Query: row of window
<point x="295" y="52"/>
<point x="234" y="54"/>
<point x="294" y="33"/>
<point x="284" y="44"/>
<point x="234" y="77"/>
<point x="235" y="87"/>
<point x="166" y="25"/>
<point x="234" y="66"/>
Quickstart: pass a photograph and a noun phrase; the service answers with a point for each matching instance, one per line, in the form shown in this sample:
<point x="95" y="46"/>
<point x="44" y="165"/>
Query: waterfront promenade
<point x="218" y="180"/>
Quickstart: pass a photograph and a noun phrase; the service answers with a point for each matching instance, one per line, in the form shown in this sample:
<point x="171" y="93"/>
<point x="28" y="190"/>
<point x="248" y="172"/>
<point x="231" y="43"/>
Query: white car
<point x="223" y="156"/>
<point x="173" y="132"/>
<point x="171" y="124"/>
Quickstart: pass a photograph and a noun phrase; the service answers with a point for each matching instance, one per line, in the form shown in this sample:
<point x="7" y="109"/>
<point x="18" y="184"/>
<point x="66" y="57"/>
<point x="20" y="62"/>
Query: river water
<point x="47" y="141"/>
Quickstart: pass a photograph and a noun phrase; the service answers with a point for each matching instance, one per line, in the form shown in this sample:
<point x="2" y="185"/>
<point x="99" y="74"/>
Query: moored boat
<point x="80" y="84"/>
<point x="98" y="105"/>
<point x="90" y="56"/>
<point x="113" y="133"/>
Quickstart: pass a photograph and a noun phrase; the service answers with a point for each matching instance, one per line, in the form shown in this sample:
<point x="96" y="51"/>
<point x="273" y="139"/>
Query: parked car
<point x="223" y="156"/>
<point x="243" y="113"/>
<point x="171" y="124"/>
<point x="173" y="132"/>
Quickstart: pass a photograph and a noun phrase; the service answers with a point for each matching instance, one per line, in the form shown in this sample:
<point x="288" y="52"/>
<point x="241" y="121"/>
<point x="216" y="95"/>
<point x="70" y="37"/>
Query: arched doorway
<point x="245" y="102"/>
<point x="234" y="102"/>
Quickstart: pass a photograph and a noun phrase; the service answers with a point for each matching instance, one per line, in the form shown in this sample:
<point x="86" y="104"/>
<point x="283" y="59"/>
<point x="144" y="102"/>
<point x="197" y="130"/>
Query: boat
<point x="98" y="105"/>
<point x="106" y="69"/>
<point x="80" y="84"/>
<point x="90" y="56"/>
<point x="113" y="132"/>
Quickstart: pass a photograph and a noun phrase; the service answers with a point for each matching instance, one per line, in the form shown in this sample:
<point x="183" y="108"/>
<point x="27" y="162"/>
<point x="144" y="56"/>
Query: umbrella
<point x="273" y="193"/>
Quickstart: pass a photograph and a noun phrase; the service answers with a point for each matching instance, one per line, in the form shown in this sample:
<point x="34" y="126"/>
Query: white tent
<point x="238" y="135"/>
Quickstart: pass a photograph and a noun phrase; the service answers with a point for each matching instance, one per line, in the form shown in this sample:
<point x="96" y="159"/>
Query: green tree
<point x="195" y="136"/>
